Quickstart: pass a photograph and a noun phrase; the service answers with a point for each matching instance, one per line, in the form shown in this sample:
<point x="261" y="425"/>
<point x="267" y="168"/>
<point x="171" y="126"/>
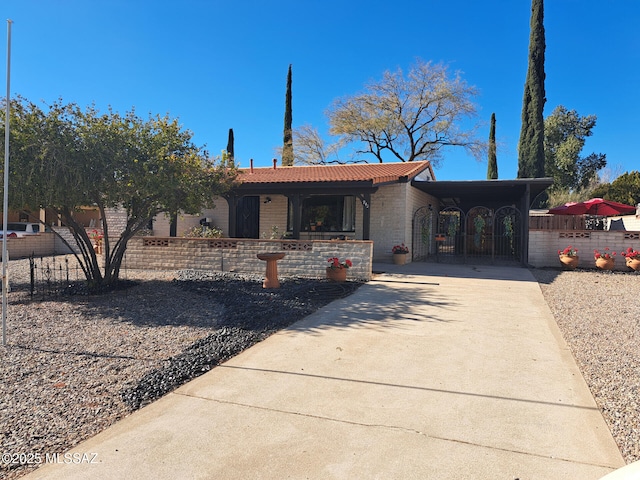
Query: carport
<point x="478" y="220"/>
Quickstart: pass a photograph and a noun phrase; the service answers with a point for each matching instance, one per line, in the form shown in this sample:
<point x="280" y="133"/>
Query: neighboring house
<point x="389" y="203"/>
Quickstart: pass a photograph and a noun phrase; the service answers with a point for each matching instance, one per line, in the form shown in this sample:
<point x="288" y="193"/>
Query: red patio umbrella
<point x="595" y="206"/>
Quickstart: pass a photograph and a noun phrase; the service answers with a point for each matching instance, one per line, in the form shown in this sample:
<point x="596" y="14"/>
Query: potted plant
<point x="633" y="258"/>
<point x="605" y="260"/>
<point x="400" y="254"/>
<point x="337" y="270"/>
<point x="569" y="257"/>
<point x="96" y="236"/>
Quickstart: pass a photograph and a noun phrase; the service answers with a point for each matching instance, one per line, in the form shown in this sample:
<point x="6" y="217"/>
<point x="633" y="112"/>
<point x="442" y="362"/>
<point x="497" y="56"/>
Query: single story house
<point x="388" y="203"/>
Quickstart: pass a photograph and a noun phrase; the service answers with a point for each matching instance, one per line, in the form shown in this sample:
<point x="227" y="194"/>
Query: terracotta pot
<point x="399" y="258"/>
<point x="569" y="262"/>
<point x="337" y="274"/>
<point x="605" y="263"/>
<point x="634" y="264"/>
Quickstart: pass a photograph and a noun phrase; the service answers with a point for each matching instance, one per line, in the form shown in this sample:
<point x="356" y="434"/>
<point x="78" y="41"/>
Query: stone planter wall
<point x="303" y="258"/>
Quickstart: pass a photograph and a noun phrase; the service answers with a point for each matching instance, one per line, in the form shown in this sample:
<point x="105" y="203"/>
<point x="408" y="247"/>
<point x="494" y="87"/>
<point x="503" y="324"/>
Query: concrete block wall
<point x="302" y="258"/>
<point x="392" y="212"/>
<point x="388" y="220"/>
<point x="117" y="221"/>
<point x="544" y="245"/>
<point x="60" y="247"/>
<point x="40" y="244"/>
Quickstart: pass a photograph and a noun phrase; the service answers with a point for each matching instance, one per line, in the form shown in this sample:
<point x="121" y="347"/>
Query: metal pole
<point x="5" y="204"/>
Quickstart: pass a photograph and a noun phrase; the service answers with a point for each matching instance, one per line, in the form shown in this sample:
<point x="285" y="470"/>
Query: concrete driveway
<point x="428" y="372"/>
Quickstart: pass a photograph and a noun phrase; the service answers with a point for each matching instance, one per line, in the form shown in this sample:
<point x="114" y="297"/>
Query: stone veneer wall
<point x="303" y="258"/>
<point x="544" y="245"/>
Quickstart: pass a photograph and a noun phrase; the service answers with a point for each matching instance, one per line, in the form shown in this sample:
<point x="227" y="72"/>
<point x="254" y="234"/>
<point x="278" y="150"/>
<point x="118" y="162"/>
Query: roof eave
<point x="304" y="187"/>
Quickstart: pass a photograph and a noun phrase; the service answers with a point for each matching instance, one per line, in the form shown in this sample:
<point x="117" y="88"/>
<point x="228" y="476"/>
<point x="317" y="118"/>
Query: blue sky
<point x="217" y="65"/>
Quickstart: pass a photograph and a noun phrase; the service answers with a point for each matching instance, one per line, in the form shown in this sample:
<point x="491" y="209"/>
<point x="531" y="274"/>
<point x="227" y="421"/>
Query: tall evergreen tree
<point x="287" y="148"/>
<point x="531" y="145"/>
<point x="565" y="134"/>
<point x="230" y="146"/>
<point x="492" y="167"/>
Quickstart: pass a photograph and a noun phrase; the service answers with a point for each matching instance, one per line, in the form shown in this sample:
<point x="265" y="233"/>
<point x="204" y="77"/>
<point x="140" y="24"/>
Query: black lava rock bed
<point x="251" y="314"/>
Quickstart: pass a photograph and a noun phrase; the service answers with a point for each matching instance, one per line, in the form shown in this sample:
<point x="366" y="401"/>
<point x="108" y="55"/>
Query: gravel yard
<point x="76" y="364"/>
<point x="598" y="314"/>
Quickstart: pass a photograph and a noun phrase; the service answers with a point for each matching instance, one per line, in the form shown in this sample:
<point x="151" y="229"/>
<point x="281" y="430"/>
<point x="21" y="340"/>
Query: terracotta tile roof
<point x="377" y="173"/>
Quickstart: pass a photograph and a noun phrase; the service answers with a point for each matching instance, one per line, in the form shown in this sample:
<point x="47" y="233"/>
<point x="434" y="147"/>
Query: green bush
<point x="203" y="232"/>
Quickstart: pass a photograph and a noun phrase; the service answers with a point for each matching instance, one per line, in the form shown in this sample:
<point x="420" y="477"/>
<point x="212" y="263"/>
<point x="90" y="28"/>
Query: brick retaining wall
<point x="303" y="258"/>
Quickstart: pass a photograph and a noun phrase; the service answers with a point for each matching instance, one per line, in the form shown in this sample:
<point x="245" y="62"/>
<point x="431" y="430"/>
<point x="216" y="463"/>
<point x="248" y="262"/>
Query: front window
<point x="326" y="213"/>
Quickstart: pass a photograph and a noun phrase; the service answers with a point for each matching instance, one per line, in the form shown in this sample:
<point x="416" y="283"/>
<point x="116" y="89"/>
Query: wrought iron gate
<point x="481" y="234"/>
<point x="450" y="235"/>
<point x="423" y="241"/>
<point x="507" y="234"/>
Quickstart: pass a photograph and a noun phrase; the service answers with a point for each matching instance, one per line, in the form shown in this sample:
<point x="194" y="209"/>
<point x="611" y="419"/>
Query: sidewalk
<point x="428" y="372"/>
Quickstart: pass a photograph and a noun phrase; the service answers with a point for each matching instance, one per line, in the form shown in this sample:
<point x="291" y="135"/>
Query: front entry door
<point x="248" y="217"/>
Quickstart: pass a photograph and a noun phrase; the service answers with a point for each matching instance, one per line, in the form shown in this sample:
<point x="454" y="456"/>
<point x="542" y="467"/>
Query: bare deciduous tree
<point x="311" y="149"/>
<point x="409" y="118"/>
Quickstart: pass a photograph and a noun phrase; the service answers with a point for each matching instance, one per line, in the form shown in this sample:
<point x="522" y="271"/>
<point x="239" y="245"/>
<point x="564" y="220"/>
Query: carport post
<point x="525" y="225"/>
<point x="365" y="198"/>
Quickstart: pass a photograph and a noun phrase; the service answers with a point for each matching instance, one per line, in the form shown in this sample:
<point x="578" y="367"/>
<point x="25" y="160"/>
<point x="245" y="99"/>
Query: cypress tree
<point x="492" y="167"/>
<point x="531" y="145"/>
<point x="230" y="146"/>
<point x="287" y="148"/>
